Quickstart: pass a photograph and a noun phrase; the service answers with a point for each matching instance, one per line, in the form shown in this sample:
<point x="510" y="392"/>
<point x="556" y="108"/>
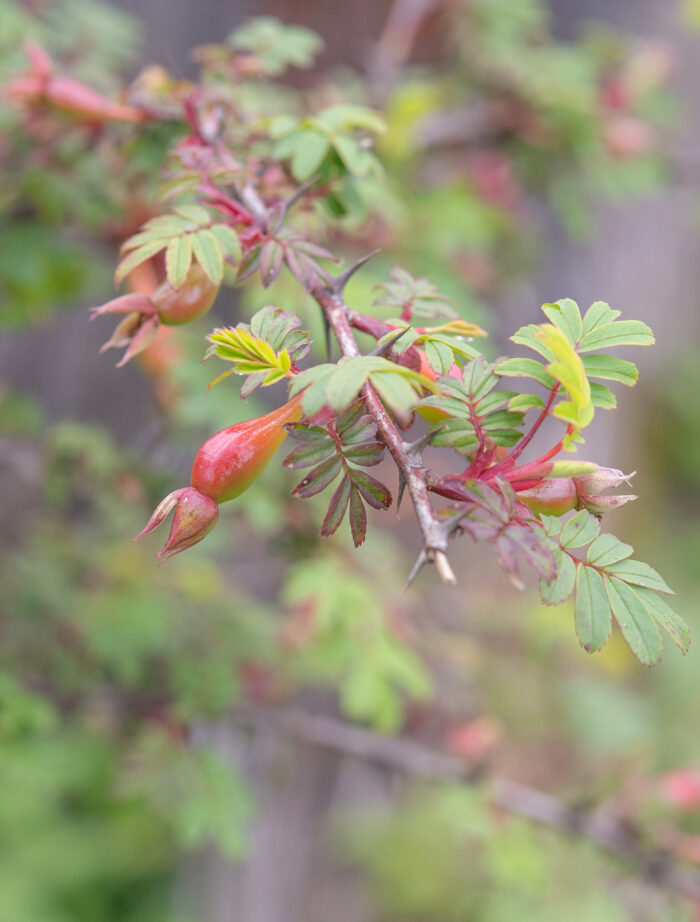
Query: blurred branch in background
<point x="615" y="834"/>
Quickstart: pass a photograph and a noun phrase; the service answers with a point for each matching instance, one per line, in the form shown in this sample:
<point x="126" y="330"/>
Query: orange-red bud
<point x="167" y="305"/>
<point x="551" y="497"/>
<point x="225" y="466"/>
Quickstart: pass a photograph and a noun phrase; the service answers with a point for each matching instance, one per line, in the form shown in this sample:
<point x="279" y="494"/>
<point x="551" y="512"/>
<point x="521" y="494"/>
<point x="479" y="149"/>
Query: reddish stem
<point x="508" y="462"/>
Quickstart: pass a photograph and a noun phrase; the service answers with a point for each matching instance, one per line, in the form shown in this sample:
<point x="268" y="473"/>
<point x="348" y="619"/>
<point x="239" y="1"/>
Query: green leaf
<point x="569" y="372"/>
<point x="606" y="550"/>
<point x="309" y="154"/>
<point x="602" y="396"/>
<point x="228" y="241"/>
<point x="580" y="529"/>
<point x="346" y="382"/>
<point x="351" y="115"/>
<point x="638" y="627"/>
<point x="525" y="368"/>
<point x="597" y="314"/>
<point x="195" y="213"/>
<point x="395" y="391"/>
<point x="610" y="368"/>
<point x="562" y="586"/>
<point x="356" y="159"/>
<point x="136" y="257"/>
<point x="440" y="357"/>
<point x="178" y="258"/>
<point x="592" y="613"/>
<point x="617" y="333"/>
<point x="566" y="315"/>
<point x="641" y="574"/>
<point x="675" y="626"/>
<point x="207" y="250"/>
<point x="524" y="402"/>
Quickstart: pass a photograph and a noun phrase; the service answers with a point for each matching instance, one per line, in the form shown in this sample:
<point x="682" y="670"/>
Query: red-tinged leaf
<point x="367" y="454"/>
<point x="207" y="249"/>
<point x="319" y="478"/>
<point x="363" y="430"/>
<point x="309" y="453"/>
<point x="178" y="258"/>
<point x="304" y="270"/>
<point x="313" y="249"/>
<point x="218" y="378"/>
<point x="271" y="259"/>
<point x="251" y="383"/>
<point x="358" y="518"/>
<point x="373" y="491"/>
<point x="337" y="507"/>
<point x="304" y="432"/>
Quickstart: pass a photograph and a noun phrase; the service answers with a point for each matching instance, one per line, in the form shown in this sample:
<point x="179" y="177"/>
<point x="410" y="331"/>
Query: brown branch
<point x="609" y="833"/>
<point x="434" y="537"/>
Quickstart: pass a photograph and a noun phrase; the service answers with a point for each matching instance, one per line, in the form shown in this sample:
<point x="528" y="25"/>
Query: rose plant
<point x="249" y="192"/>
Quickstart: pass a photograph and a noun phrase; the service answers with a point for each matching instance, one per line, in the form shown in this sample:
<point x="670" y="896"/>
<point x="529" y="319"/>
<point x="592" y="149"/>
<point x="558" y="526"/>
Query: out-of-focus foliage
<point x="106" y="664"/>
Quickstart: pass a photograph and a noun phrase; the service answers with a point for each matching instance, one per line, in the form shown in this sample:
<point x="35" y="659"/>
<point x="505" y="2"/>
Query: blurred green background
<point x="535" y="151"/>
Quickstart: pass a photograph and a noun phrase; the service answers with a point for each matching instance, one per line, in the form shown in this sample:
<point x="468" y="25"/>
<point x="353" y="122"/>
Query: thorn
<point x="340" y="281"/>
<point x="402" y="489"/>
<point x="388" y="344"/>
<point x="413" y="450"/>
<point x="417" y="567"/>
<point x="299" y="193"/>
<point x="327" y="336"/>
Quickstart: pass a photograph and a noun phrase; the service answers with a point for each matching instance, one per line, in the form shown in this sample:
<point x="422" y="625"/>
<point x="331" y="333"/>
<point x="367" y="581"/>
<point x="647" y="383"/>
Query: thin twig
<point x="434" y="537"/>
<point x="658" y="865"/>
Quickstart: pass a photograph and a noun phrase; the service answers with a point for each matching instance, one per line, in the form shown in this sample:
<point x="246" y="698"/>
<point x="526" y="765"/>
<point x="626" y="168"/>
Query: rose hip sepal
<point x="195" y="516"/>
<point x="167" y="305"/>
<point x="225" y="466"/>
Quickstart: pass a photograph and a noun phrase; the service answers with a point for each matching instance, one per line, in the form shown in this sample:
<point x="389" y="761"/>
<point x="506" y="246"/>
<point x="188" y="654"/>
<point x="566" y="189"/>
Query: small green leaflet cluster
<point x="472" y="401"/>
<point x="443" y="345"/>
<point x="276" y="46"/>
<point x="332" y="450"/>
<point x="569" y="346"/>
<point x="264" y="350"/>
<point x="336" y="137"/>
<point x="609" y="584"/>
<point x="414" y="297"/>
<point x="336" y="386"/>
<point x="185" y="235"/>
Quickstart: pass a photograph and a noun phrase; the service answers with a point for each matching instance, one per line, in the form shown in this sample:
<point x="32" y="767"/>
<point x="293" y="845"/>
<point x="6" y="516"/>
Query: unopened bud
<point x="591" y="486"/>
